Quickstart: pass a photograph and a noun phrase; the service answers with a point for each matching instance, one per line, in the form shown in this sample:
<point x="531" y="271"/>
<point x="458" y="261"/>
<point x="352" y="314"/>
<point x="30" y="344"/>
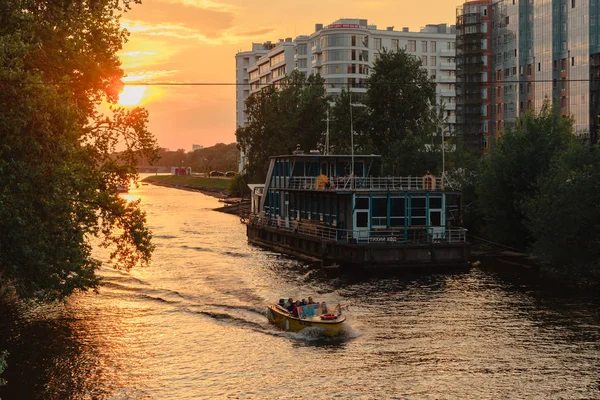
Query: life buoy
<point x="328" y="316"/>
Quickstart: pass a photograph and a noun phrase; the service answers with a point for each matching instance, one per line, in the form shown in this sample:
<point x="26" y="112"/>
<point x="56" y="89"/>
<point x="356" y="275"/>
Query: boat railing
<point x="411" y="234"/>
<point x="345" y="183"/>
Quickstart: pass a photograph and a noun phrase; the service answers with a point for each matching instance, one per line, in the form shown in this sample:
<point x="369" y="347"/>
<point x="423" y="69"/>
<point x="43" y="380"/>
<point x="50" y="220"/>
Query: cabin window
<point x="379" y="211"/>
<point x="362" y="203"/>
<point x="298" y="169"/>
<point x="435" y="202"/>
<point x="418" y="211"/>
<point x="358" y="169"/>
<point x="397" y="211"/>
<point x="362" y="219"/>
<point x="435" y="218"/>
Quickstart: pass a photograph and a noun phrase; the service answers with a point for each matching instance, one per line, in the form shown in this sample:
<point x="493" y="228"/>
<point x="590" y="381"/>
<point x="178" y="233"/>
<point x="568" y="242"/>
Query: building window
<point x="378" y="43"/>
<point x="395" y="44"/>
<point x="432" y="46"/>
<point x="424" y="46"/>
<point x="433" y="61"/>
<point x="412" y="45"/>
<point x="424" y="60"/>
<point x="572" y="3"/>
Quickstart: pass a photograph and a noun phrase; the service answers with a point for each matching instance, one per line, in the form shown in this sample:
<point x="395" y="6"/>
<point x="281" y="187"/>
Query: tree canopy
<point x="279" y="119"/>
<point x="510" y="171"/>
<point x="562" y="215"/>
<point x="403" y="115"/>
<point x="58" y="64"/>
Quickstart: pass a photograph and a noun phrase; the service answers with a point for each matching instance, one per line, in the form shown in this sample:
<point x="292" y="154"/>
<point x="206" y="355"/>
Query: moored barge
<point x="331" y="208"/>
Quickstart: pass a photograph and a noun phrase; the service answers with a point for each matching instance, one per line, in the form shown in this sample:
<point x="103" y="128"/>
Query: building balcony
<point x="451" y="66"/>
<point x="450" y="106"/>
<point x="446" y="79"/>
<point x="316" y="49"/>
<point x="448" y="52"/>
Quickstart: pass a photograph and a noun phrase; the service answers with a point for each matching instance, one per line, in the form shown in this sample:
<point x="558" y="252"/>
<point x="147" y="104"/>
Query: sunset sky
<point x="196" y="41"/>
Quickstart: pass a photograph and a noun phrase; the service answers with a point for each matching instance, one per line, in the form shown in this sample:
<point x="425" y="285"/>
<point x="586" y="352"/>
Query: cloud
<point x="202" y="4"/>
<point x="204" y="16"/>
<point x="180" y="31"/>
<point x="148" y="75"/>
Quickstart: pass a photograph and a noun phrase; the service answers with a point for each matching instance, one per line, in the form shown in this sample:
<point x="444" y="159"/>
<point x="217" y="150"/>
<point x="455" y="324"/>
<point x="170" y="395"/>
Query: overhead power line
<point x="332" y="85"/>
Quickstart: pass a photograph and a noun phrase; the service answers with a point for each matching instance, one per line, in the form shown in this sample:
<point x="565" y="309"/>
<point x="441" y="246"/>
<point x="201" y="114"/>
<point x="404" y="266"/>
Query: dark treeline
<point x="536" y="190"/>
<point x="220" y="157"/>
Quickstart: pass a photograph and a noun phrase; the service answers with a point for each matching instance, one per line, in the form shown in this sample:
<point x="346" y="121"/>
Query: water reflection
<point x="192" y="325"/>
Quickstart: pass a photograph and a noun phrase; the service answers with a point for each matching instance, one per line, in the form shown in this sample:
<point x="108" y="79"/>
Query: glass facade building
<point x="542" y="51"/>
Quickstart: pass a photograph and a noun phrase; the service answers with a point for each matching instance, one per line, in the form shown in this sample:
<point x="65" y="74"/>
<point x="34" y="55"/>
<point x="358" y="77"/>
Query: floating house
<point x="334" y="208"/>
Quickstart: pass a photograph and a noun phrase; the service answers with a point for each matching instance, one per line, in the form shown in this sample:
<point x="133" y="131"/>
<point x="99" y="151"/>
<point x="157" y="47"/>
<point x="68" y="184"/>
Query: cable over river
<point x="193" y="326"/>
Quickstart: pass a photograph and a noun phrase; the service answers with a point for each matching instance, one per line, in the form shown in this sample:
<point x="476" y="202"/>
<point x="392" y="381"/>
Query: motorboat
<point x="309" y="316"/>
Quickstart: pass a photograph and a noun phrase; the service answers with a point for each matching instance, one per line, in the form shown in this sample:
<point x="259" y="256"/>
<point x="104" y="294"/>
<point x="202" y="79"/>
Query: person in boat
<point x="303" y="302"/>
<point x="310" y="300"/>
<point x="324" y="308"/>
<point x="296" y="309"/>
<point x="289" y="305"/>
<point x="282" y="303"/>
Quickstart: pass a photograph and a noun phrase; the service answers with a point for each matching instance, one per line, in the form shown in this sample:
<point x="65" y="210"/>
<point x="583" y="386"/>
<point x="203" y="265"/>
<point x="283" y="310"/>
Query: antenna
<point x="351" y="141"/>
<point x="326" y="152"/>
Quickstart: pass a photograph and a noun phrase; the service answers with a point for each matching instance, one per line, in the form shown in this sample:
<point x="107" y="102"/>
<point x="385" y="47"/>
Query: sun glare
<point x="131" y="95"/>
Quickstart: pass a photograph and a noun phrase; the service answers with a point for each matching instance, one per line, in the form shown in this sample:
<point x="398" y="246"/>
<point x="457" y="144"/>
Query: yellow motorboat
<point x="309" y="317"/>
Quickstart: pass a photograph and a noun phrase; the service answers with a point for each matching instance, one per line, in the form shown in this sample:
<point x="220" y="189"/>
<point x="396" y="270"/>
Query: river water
<point x="193" y="326"/>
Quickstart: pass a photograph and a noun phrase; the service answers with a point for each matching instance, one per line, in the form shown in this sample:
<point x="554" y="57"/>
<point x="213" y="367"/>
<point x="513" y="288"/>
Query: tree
<point x="510" y="171"/>
<point x="340" y="126"/>
<point x="562" y="215"/>
<point x="58" y="63"/>
<point x="278" y="120"/>
<point x="402" y="110"/>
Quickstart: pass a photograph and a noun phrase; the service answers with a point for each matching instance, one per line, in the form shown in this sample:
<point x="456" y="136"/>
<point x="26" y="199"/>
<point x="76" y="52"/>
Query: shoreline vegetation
<point x="215" y="187"/>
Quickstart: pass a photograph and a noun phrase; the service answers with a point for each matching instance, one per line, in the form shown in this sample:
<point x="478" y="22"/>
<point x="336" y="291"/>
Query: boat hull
<point x="280" y="317"/>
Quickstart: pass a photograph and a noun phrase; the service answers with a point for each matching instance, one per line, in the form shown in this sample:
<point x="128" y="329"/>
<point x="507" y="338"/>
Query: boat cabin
<point x="340" y="197"/>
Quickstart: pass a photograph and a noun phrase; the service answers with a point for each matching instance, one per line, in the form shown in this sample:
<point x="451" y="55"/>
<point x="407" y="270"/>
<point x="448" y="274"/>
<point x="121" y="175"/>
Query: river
<point x="192" y="325"/>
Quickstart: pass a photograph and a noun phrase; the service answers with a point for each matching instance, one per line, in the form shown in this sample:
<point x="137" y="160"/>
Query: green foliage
<point x="58" y="62"/>
<point x="563" y="215"/>
<point x="220" y="157"/>
<point x="278" y="120"/>
<point x="238" y="186"/>
<point x="510" y="171"/>
<point x="402" y="113"/>
<point x="340" y="126"/>
<point x="3" y="365"/>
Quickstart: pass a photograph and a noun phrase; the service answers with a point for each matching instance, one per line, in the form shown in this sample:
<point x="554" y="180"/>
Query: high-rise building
<point x="537" y="51"/>
<point x="343" y="53"/>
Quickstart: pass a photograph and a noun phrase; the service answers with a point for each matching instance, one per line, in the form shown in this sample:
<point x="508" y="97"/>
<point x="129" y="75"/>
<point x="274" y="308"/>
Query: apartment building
<point x="343" y="53"/>
<point x="537" y="51"/>
<point x="267" y="63"/>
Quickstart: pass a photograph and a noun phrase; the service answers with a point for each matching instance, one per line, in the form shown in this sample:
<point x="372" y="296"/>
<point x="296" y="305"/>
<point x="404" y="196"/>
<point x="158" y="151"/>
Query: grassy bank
<point x="212" y="186"/>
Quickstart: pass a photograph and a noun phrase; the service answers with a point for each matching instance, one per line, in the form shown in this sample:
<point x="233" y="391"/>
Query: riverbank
<point x="216" y="187"/>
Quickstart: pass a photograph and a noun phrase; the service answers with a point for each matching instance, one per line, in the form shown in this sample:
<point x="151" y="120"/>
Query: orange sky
<point x="196" y="41"/>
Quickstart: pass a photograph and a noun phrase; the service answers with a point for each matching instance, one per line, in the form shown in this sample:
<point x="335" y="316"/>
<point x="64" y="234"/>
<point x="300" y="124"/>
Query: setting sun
<point x="131" y="95"/>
